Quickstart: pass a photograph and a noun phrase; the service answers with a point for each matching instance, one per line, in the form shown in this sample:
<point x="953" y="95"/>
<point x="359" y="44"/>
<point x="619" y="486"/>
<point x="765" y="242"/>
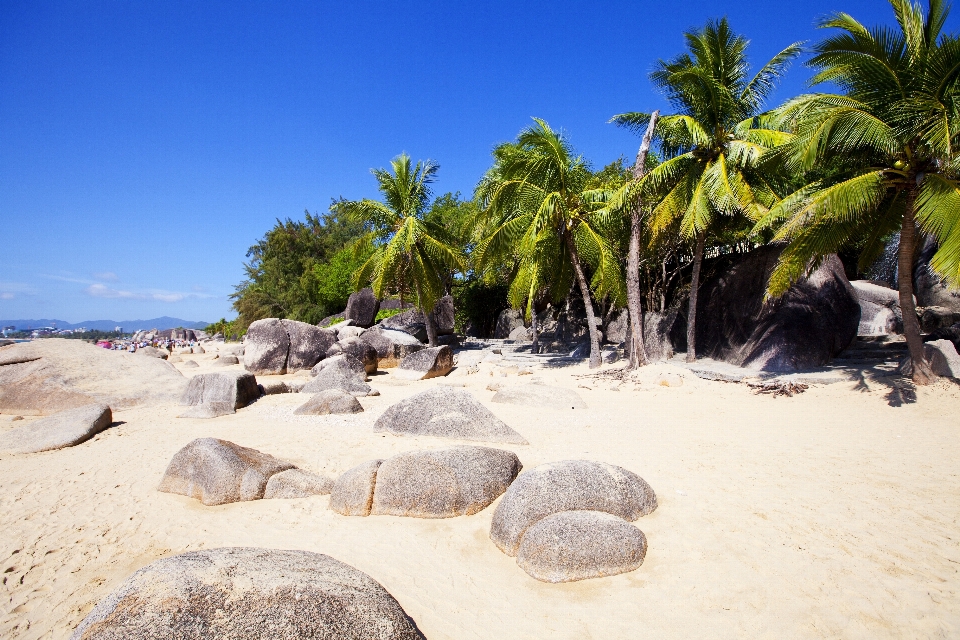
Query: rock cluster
<point x="563" y="546"/>
<point x="343" y="372"/>
<point x="246" y="593"/>
<point x="273" y="347"/>
<point x="443" y="483"/>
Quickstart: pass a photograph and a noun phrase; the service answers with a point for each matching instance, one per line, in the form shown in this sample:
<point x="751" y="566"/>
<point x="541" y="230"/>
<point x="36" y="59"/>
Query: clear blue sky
<point x="144" y="146"/>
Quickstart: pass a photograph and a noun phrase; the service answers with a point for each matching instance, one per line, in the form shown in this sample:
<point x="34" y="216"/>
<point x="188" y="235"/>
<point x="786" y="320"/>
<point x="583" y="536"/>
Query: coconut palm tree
<point x="409" y="252"/>
<point x="537" y="202"/>
<point x="894" y="132"/>
<point x="713" y="144"/>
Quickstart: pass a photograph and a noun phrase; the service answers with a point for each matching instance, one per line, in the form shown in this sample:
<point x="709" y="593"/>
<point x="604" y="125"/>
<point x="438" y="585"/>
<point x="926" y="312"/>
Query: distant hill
<point x="166" y="322"/>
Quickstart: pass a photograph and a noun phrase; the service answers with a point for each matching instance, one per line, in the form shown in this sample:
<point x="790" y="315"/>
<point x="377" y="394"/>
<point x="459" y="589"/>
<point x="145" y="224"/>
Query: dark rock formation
<point x="362" y="308"/>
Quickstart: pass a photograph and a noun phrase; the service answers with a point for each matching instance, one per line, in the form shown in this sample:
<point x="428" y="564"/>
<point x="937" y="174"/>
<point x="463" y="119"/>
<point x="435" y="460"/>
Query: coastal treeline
<point x="865" y="157"/>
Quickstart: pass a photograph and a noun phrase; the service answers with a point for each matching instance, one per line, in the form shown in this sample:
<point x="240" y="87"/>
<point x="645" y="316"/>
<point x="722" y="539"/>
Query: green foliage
<point x="288" y="275"/>
<point x="388" y="313"/>
<point x="334" y="279"/>
<point x="229" y="329"/>
<point x="478" y="304"/>
<point x="892" y="135"/>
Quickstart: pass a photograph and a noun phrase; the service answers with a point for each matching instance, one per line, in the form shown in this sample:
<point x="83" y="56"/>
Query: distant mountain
<point x="166" y="322"/>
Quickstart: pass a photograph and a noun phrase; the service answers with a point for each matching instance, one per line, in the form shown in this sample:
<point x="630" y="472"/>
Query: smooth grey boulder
<point x="357" y="348"/>
<point x="815" y="320"/>
<point x="352" y="493"/>
<point x="266" y="347"/>
<point x="190" y="364"/>
<point x="507" y="322"/>
<point x="226" y="361"/>
<point x="296" y="483"/>
<point x="577" y="545"/>
<point x="942" y="356"/>
<point x="63" y="429"/>
<point x="569" y="485"/>
<point x="329" y="401"/>
<point x="458" y="481"/>
<point x="539" y="395"/>
<point x="216" y="471"/>
<point x="242" y="593"/>
<point x="390" y="344"/>
<point x="362" y="308"/>
<point x="213" y="394"/>
<point x="342" y="372"/>
<point x="445" y="412"/>
<point x="431" y="362"/>
<point x="308" y="344"/>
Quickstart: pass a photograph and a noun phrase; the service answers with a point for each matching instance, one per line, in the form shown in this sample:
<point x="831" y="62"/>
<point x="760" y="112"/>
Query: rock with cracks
<point x="816" y="319"/>
<point x="577" y="545"/>
<point x="362" y="308"/>
<point x="352" y="493"/>
<point x="445" y="483"/>
<point x="427" y="363"/>
<point x="266" y="347"/>
<point x="570" y="485"/>
<point x="244" y="593"/>
<point x="446" y="412"/>
<point x="217" y="471"/>
<point x="308" y="344"/>
<point x="64" y="429"/>
<point x="539" y="395"/>
<point x="357" y="348"/>
<point x="329" y="401"/>
<point x="215" y="394"/>
<point x="296" y="483"/>
<point x="342" y="372"/>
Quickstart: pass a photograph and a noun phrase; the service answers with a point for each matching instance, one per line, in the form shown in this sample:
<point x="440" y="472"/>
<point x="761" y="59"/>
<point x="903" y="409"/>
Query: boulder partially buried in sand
<point x="329" y="401"/>
<point x="352" y="493"/>
<point x="446" y="412"/>
<point x="570" y="485"/>
<point x="215" y="394"/>
<point x="458" y="481"/>
<point x="357" y="348"/>
<point x="217" y="471"/>
<point x="248" y="594"/>
<point x="64" y="429"/>
<point x="342" y="372"/>
<point x="296" y="483"/>
<point x="431" y="362"/>
<point x="539" y="395"/>
<point x="577" y="545"/>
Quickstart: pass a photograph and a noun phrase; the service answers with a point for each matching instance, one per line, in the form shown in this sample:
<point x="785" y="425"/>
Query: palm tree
<point x="896" y="124"/>
<point x="537" y="202"/>
<point x="714" y="142"/>
<point x="409" y="252"/>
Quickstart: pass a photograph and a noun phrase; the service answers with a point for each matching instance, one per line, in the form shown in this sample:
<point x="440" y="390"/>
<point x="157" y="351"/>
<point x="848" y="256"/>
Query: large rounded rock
<point x="216" y="394"/>
<point x="342" y="372"/>
<point x="390" y="344"/>
<point x="539" y="395"/>
<point x="64" y="429"/>
<point x="807" y="327"/>
<point x="266" y="347"/>
<point x="445" y="483"/>
<point x="308" y="344"/>
<point x="296" y="483"/>
<point x="329" y="401"/>
<point x="362" y="308"/>
<point x="570" y="485"/>
<point x="357" y="348"/>
<point x="247" y="593"/>
<point x="352" y="493"/>
<point x="217" y="471"/>
<point x="577" y="545"/>
<point x="445" y="412"/>
<point x="508" y="321"/>
<point x="427" y="363"/>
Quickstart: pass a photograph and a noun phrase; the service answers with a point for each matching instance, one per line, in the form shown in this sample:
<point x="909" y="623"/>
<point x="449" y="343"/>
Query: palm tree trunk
<point x="636" y="349"/>
<point x="922" y="373"/>
<point x="535" y="347"/>
<point x="694" y="287"/>
<point x="587" y="302"/>
<point x="427" y="320"/>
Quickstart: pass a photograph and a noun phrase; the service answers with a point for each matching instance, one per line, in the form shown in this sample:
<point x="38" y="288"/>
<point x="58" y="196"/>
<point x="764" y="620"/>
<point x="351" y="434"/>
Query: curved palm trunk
<point x="427" y="320"/>
<point x="535" y="347"/>
<point x="694" y="287"/>
<point x="922" y="373"/>
<point x="636" y="349"/>
<point x="587" y="302"/>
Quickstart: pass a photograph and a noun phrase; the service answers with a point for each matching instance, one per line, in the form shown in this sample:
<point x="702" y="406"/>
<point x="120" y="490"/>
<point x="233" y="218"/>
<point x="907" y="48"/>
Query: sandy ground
<point x="828" y="514"/>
